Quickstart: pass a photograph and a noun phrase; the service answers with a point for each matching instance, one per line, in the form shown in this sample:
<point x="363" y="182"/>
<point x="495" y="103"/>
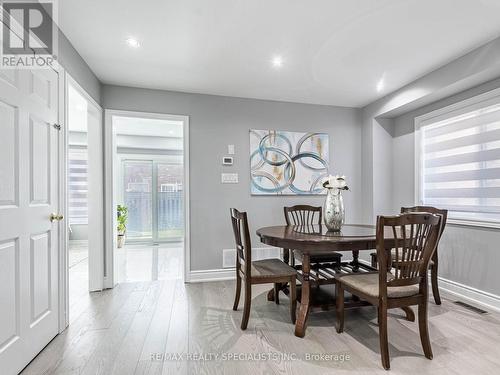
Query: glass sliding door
<point x="138" y="198"/>
<point x="153" y="194"/>
<point x="169" y="201"/>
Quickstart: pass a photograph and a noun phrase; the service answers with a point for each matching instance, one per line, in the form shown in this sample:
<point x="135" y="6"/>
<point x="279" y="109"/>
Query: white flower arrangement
<point x="335" y="182"/>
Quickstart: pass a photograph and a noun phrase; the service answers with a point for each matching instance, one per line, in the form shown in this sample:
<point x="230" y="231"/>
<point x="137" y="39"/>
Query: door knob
<point x="54" y="217"/>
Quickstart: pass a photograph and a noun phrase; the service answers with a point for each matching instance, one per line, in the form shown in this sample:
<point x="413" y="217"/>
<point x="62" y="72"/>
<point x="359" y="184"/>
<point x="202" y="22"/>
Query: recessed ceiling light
<point x="277" y="61"/>
<point x="380" y="84"/>
<point x="132" y="42"/>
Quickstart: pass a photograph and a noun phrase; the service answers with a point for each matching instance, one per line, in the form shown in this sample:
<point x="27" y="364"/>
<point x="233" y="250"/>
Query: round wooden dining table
<point x="306" y="239"/>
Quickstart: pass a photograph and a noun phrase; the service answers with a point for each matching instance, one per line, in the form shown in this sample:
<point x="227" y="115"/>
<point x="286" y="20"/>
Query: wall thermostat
<point x="227" y="160"/>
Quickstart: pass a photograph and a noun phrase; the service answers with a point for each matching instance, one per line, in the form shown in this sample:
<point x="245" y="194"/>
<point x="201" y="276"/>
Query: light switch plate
<point x="229" y="178"/>
<point x="230" y="149"/>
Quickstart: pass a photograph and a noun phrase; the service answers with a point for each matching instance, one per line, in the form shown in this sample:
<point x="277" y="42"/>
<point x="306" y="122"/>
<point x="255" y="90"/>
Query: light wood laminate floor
<point x="134" y="263"/>
<point x="121" y="329"/>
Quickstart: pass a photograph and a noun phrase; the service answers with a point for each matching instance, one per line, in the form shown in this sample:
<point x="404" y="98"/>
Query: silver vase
<point x="334" y="214"/>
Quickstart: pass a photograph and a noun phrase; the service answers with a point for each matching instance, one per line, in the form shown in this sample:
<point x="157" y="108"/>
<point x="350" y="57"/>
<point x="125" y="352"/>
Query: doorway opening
<point x="84" y="193"/>
<point x="77" y="184"/>
<point x="149" y="195"/>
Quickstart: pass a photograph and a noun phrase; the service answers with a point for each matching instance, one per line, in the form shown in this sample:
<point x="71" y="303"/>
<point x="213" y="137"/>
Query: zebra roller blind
<point x="77" y="185"/>
<point x="459" y="165"/>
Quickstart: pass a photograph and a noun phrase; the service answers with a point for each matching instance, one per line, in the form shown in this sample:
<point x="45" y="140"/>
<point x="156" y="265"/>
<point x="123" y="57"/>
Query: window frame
<point x="468" y="105"/>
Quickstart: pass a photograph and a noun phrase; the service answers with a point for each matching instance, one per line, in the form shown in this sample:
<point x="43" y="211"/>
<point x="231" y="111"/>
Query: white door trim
<point x="63" y="234"/>
<point x="109" y="172"/>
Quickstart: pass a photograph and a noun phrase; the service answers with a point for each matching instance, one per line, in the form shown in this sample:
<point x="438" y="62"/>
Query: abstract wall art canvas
<point x="287" y="163"/>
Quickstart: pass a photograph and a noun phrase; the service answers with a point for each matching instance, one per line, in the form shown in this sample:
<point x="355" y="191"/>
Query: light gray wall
<point x="469" y="256"/>
<point x="74" y="64"/>
<point x="217" y="121"/>
<point x="383" y="187"/>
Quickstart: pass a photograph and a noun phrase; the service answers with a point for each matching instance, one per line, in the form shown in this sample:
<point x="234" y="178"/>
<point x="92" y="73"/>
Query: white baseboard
<point x="476" y="296"/>
<point x="212" y="275"/>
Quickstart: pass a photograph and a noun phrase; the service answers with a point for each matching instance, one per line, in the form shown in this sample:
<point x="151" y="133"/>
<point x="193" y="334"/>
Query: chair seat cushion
<point x="393" y="255"/>
<point x="271" y="268"/>
<point x="368" y="284"/>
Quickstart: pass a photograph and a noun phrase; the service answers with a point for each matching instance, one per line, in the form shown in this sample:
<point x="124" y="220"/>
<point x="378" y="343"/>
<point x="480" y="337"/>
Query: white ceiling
<point x="334" y="52"/>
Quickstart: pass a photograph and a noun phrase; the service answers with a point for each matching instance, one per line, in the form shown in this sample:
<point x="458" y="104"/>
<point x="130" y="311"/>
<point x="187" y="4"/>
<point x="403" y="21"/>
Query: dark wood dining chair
<point x="308" y="215"/>
<point x="434" y="261"/>
<point x="266" y="271"/>
<point x="415" y="238"/>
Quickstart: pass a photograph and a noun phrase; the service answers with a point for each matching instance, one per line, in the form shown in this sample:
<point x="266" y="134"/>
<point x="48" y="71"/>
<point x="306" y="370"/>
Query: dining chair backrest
<point x="242" y="240"/>
<point x="414" y="237"/>
<point x="303" y="215"/>
<point x="432" y="210"/>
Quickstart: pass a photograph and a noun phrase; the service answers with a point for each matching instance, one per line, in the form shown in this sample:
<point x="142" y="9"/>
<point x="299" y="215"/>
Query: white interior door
<point x="29" y="184"/>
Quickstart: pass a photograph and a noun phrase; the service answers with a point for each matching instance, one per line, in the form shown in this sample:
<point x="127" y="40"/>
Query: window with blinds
<point x="77" y="185"/>
<point x="459" y="165"/>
